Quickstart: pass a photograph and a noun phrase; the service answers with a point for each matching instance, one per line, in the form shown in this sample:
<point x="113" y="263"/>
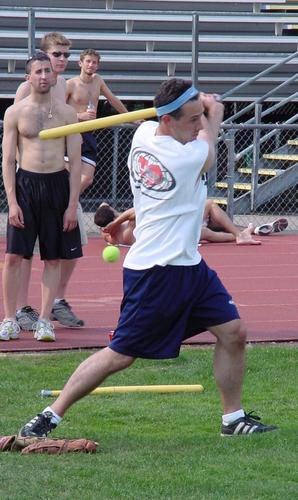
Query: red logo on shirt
<point x="149" y="172"/>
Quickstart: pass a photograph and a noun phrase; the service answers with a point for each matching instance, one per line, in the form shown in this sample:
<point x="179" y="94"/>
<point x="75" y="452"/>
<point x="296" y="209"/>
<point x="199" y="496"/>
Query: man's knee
<point x="12" y="260"/>
<point x="52" y="264"/>
<point x="118" y="361"/>
<point x="237" y="334"/>
<point x="240" y="332"/>
<point x="231" y="333"/>
<point x="212" y="206"/>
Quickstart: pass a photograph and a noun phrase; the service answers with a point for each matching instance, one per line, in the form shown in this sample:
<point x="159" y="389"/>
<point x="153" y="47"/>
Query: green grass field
<point x="155" y="446"/>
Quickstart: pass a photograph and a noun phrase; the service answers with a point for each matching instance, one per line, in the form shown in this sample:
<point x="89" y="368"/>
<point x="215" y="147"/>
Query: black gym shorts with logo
<point x="43" y="199"/>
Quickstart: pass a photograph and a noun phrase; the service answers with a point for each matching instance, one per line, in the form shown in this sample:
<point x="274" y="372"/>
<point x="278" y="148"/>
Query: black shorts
<point x="43" y="199"/>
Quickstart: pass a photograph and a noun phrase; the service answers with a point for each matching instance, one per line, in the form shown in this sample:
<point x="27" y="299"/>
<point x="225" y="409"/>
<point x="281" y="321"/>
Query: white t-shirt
<point x="169" y="199"/>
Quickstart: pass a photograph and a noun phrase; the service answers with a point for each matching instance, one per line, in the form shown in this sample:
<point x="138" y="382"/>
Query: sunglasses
<point x="59" y="54"/>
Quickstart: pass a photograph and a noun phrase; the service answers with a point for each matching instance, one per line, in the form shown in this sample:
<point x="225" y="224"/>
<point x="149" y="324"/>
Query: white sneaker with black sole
<point x="9" y="329"/>
<point x="44" y="331"/>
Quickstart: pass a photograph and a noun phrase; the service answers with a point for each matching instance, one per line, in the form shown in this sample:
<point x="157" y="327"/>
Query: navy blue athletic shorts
<point x="88" y="150"/>
<point x="162" y="306"/>
<point x="43" y="199"/>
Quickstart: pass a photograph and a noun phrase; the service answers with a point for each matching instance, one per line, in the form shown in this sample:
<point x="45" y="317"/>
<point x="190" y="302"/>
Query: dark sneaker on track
<point x="62" y="312"/>
<point x="27" y="317"/>
<point x="249" y="424"/>
<point x="39" y="426"/>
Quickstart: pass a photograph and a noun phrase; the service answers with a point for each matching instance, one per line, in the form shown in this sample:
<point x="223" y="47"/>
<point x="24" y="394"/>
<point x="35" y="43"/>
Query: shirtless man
<point x="82" y="92"/>
<point x="57" y="47"/>
<point x="42" y="195"/>
<point x="116" y="228"/>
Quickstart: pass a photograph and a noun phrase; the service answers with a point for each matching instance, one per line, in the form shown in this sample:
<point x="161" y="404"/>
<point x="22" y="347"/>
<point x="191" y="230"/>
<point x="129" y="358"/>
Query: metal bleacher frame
<point x="150" y="55"/>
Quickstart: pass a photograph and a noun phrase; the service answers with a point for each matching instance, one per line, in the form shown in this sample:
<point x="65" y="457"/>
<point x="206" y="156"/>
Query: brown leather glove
<point x="6" y="442"/>
<point x="59" y="446"/>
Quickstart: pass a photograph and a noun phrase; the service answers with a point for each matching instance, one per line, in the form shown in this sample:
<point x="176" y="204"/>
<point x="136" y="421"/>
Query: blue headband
<point x="182" y="99"/>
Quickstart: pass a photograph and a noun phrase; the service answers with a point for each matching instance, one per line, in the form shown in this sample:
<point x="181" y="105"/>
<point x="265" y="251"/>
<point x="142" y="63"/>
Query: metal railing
<point x="111" y="181"/>
<point x="273" y="183"/>
<point x="250" y="148"/>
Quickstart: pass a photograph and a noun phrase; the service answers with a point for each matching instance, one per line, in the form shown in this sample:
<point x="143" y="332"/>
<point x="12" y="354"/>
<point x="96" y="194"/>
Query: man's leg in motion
<point x="89" y="374"/>
<point x="229" y="359"/>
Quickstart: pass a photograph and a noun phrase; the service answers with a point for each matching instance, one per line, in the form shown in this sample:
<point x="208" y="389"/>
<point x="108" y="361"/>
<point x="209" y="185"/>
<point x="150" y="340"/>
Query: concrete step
<point x="219" y="201"/>
<point x="281" y="157"/>
<point x="271" y="172"/>
<point x="239" y="186"/>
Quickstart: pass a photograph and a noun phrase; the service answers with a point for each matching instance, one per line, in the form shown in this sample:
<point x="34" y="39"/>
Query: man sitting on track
<point x="170" y="293"/>
<point x="217" y="227"/>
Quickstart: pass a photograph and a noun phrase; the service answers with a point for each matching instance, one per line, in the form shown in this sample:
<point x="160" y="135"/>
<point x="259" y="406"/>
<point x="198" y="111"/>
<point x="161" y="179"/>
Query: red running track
<point x="262" y="279"/>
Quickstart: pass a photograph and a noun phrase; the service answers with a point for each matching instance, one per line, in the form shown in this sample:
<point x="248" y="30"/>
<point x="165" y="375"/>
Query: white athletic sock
<point x="56" y="419"/>
<point x="228" y="418"/>
<point x="57" y="300"/>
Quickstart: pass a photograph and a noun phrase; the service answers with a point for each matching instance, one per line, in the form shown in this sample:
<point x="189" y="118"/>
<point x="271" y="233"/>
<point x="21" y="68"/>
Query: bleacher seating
<point x="140" y="48"/>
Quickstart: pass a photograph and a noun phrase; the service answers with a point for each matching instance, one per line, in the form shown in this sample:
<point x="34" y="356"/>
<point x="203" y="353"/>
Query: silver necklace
<point x="50" y="114"/>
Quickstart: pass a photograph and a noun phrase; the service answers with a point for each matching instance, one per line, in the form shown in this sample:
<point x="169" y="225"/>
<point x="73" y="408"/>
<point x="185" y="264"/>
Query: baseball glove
<point x="17" y="443"/>
<point x="59" y="446"/>
<point x="6" y="443"/>
<point x="22" y="442"/>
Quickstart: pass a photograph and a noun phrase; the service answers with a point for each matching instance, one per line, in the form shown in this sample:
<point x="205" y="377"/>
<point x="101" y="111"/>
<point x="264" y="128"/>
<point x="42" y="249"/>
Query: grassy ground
<point x="155" y="446"/>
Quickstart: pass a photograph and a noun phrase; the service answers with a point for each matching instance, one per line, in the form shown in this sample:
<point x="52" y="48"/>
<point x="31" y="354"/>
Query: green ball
<point x="111" y="253"/>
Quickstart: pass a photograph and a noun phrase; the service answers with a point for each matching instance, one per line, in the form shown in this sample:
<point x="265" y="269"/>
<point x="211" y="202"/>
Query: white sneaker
<point x="273" y="227"/>
<point x="9" y="329"/>
<point x="44" y="331"/>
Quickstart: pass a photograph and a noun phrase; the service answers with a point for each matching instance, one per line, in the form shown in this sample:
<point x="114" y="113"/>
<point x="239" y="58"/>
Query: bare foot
<point x="245" y="237"/>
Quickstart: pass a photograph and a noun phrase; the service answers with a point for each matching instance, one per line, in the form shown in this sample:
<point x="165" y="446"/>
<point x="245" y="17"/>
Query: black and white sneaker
<point x="39" y="426"/>
<point x="249" y="424"/>
<point x="27" y="317"/>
